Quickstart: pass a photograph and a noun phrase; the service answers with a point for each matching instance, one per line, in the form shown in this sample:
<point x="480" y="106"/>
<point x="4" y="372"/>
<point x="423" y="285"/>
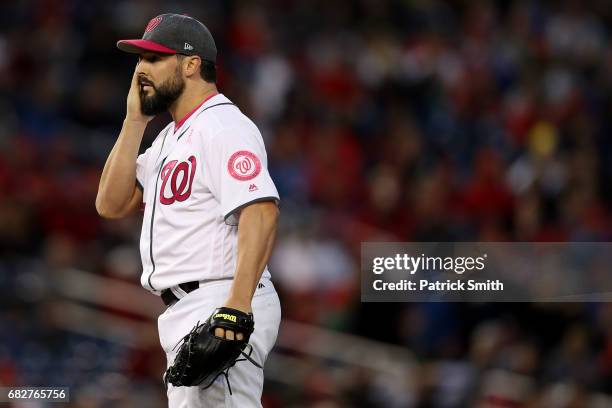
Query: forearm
<point x="256" y="234"/>
<point x="119" y="175"/>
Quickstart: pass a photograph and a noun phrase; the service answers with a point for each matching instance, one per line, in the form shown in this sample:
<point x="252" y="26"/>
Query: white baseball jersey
<point x="196" y="177"/>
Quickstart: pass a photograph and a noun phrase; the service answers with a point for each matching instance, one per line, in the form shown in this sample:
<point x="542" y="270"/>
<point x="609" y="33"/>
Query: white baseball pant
<point x="246" y="379"/>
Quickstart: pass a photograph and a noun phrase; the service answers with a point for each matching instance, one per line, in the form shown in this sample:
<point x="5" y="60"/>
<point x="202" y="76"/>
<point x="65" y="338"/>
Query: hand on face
<point x="134" y="110"/>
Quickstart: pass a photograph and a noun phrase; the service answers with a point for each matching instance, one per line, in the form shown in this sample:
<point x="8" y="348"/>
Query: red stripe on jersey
<point x="177" y="125"/>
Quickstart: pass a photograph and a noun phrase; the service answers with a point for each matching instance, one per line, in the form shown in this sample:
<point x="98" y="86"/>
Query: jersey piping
<point x="151" y="226"/>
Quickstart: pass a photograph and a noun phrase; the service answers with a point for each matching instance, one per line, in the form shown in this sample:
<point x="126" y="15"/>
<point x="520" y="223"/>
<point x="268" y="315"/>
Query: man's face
<point x="160" y="81"/>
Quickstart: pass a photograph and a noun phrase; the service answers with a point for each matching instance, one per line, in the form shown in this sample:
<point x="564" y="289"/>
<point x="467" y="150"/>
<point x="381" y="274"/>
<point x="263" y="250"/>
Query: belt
<point x="170" y="298"/>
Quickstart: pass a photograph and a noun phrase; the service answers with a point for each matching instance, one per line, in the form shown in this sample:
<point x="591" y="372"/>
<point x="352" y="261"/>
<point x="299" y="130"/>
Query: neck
<point x="192" y="96"/>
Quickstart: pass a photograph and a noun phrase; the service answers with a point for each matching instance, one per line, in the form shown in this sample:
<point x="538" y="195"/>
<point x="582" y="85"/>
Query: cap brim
<point x="140" y="46"/>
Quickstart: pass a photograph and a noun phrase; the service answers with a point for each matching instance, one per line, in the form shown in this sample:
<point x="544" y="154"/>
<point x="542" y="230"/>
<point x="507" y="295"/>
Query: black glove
<point x="203" y="356"/>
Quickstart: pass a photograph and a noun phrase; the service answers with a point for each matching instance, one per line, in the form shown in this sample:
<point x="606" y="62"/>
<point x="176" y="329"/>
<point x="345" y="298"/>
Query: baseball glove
<point x="202" y="356"/>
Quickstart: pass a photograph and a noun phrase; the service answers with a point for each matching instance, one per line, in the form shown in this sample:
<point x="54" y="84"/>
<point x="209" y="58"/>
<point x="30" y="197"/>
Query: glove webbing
<point x="183" y="340"/>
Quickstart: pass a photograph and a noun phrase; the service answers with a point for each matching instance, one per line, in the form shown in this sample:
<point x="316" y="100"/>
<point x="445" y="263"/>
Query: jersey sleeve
<point x="237" y="164"/>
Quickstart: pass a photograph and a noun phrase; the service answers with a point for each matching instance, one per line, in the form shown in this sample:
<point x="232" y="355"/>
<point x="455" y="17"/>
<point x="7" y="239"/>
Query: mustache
<point x="143" y="81"/>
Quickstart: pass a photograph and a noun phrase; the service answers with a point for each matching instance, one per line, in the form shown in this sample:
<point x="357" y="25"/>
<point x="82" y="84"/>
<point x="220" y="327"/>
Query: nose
<point x="143" y="65"/>
<point x="142" y="72"/>
<point x="140" y="67"/>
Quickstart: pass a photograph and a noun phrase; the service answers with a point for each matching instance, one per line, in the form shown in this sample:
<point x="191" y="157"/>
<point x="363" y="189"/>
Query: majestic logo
<point x="179" y="176"/>
<point x="243" y="165"/>
<point x="153" y="23"/>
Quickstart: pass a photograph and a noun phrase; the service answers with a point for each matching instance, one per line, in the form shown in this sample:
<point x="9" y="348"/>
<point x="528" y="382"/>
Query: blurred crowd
<point x="422" y="120"/>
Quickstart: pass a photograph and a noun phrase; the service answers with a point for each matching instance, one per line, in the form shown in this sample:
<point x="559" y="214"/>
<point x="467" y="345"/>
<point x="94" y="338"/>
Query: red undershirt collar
<point x="178" y="124"/>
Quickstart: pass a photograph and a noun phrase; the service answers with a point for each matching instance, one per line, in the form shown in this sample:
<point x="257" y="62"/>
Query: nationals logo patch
<point x="243" y="165"/>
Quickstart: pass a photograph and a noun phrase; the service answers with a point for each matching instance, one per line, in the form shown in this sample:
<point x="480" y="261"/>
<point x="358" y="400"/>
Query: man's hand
<point x="118" y="195"/>
<point x="134" y="112"/>
<point x="229" y="334"/>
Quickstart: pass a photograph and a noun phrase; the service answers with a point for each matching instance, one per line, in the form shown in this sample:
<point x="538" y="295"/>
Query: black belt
<point x="170" y="298"/>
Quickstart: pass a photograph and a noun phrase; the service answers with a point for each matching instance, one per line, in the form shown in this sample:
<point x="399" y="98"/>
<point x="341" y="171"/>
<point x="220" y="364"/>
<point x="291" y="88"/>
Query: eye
<point x="149" y="58"/>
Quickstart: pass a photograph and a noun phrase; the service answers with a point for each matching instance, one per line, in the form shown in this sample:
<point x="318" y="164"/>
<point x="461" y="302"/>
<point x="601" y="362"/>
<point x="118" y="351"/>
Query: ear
<point x="191" y="65"/>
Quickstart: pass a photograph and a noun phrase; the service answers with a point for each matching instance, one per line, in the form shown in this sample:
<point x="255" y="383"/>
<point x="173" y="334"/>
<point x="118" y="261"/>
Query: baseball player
<point x="210" y="206"/>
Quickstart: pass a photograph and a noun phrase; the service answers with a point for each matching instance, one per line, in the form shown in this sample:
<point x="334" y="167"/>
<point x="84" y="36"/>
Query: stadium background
<point x="421" y="120"/>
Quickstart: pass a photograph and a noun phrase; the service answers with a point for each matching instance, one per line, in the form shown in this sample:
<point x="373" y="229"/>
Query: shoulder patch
<point x="243" y="165"/>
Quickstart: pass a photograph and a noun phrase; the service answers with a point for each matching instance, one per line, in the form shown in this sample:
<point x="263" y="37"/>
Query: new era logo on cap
<point x="188" y="46"/>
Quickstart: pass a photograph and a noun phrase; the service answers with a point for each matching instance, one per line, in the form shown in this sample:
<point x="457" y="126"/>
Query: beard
<point x="163" y="95"/>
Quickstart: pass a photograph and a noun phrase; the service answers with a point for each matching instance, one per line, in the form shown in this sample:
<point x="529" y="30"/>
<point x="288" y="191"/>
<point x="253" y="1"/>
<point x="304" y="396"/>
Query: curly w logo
<point x="178" y="178"/>
<point x="153" y="23"/>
